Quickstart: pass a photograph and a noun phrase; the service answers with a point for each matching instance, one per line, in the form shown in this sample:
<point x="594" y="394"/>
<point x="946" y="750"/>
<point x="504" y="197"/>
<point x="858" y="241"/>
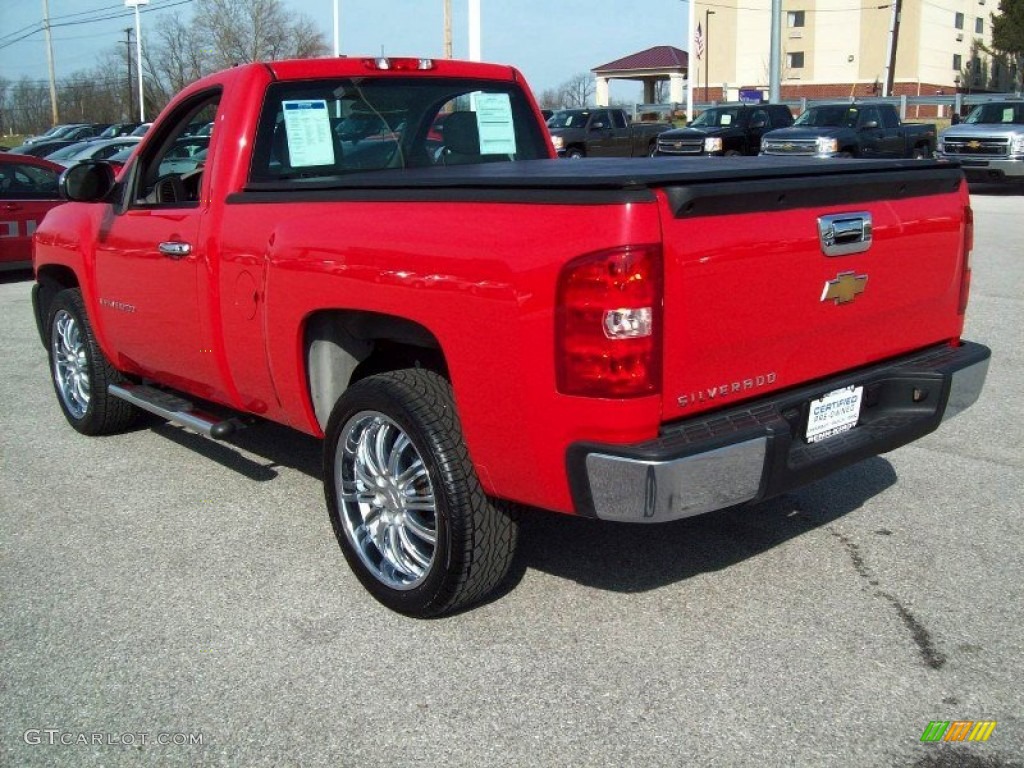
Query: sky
<point x="548" y="40"/>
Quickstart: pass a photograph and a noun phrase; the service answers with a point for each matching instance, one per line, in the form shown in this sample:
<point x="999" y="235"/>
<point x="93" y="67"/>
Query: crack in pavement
<point x="930" y="654"/>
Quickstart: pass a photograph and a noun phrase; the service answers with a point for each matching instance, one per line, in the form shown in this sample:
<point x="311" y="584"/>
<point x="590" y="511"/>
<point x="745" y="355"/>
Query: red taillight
<point x="609" y="323"/>
<point x="399" y="65"/>
<point x="965" y="274"/>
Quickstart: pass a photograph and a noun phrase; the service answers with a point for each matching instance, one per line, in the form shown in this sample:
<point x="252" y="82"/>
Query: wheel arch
<point x="51" y="279"/>
<point x="341" y="347"/>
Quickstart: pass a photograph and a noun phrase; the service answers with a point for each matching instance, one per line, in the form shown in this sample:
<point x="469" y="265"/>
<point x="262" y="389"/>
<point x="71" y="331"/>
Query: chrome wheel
<point x="386" y="499"/>
<point x="70" y="364"/>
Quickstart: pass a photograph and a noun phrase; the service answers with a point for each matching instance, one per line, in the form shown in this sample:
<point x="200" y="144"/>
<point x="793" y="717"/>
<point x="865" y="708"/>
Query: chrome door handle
<point x="175" y="250"/>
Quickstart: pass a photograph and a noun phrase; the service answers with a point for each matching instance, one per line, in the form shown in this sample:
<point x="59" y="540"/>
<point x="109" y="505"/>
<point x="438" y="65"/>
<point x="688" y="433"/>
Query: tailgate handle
<point x="844" y="233"/>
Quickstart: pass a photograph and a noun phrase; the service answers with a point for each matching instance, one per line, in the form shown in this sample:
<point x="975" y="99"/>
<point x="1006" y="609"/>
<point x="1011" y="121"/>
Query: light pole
<point x="474" y="30"/>
<point x="138" y="53"/>
<point x="128" y="51"/>
<point x="337" y="30"/>
<point x="707" y="49"/>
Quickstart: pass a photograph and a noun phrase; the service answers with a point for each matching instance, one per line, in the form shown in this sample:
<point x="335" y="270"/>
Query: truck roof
<point x="347" y="66"/>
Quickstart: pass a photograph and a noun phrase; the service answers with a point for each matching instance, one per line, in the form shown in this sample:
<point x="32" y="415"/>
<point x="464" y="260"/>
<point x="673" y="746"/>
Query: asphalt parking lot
<point x="172" y="601"/>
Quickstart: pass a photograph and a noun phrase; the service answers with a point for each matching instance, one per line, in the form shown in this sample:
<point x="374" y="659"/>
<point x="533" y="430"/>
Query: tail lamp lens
<point x="608" y="323"/>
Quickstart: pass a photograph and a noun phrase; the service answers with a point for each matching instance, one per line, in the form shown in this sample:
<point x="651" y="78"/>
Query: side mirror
<point x="88" y="182"/>
<point x="870" y="124"/>
<point x="955" y="119"/>
<point x="598" y="126"/>
<point x="759" y="123"/>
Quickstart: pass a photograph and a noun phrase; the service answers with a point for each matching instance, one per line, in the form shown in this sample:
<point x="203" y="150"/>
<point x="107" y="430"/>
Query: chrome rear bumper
<point x="756" y="451"/>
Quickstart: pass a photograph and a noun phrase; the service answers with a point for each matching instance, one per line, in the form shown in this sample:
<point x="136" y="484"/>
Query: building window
<point x="979" y="26"/>
<point x="958" y="62"/>
<point x="795" y="60"/>
<point x="959" y="21"/>
<point x="795" y="19"/>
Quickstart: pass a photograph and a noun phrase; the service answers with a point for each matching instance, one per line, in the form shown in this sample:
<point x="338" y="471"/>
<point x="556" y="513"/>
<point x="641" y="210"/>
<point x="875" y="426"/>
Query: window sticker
<point x="1008" y="115"/>
<point x="308" y="127"/>
<point x="494" y="122"/>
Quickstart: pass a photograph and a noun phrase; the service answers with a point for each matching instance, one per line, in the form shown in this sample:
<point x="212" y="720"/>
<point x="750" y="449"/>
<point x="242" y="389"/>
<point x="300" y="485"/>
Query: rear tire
<point x="405" y="502"/>
<point x="574" y="153"/>
<point x="81" y="373"/>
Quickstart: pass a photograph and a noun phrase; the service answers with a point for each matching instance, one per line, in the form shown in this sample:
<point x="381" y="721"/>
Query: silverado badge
<point x="845" y="288"/>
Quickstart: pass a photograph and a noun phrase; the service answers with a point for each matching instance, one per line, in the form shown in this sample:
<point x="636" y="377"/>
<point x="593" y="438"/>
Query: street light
<point x="138" y="53"/>
<point x="707" y="48"/>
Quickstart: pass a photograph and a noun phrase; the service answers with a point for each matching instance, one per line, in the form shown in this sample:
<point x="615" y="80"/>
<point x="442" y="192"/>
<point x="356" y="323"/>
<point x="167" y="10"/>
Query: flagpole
<point x="691" y="16"/>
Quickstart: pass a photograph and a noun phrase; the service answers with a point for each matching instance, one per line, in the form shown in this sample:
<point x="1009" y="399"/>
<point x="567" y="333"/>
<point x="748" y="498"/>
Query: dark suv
<point x="727" y="130"/>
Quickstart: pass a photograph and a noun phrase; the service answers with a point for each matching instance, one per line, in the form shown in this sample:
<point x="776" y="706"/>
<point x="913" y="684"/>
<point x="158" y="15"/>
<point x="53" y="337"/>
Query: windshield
<point x="828" y="117"/>
<point x="717" y="118"/>
<point x="569" y="118"/>
<point x="999" y="113"/>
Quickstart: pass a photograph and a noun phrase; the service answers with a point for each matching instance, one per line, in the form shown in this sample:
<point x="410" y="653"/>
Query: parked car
<point x="140" y="130"/>
<point x="98" y="149"/>
<point x="602" y="132"/>
<point x="56" y="132"/>
<point x="28" y="189"/>
<point x="42" y="148"/>
<point x="118" y="129"/>
<point x="186" y="155"/>
<point x="851" y="129"/>
<point x="734" y="129"/>
<point x="989" y="143"/>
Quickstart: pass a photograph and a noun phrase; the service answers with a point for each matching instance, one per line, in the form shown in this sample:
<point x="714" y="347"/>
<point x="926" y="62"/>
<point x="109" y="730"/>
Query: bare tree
<point x="221" y="33"/>
<point x="577" y="90"/>
<point x="256" y="30"/>
<point x="550" y="99"/>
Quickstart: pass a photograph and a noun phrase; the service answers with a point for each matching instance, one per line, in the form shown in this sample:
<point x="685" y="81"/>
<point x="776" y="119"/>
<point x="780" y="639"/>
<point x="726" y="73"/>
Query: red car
<point x="28" y="189"/>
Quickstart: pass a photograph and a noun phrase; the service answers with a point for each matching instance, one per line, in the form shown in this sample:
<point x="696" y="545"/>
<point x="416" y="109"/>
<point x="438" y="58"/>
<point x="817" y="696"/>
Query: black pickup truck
<point x="602" y="132"/>
<point x="851" y="129"/>
<point x="727" y="130"/>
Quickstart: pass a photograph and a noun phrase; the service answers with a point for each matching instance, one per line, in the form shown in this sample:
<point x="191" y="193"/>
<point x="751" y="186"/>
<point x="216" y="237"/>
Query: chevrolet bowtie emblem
<point x="974" y="144"/>
<point x="845" y="288"/>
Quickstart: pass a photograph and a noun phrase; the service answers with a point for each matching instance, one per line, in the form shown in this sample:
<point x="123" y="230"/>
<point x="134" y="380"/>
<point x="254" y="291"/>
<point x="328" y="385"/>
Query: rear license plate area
<point x="833" y="413"/>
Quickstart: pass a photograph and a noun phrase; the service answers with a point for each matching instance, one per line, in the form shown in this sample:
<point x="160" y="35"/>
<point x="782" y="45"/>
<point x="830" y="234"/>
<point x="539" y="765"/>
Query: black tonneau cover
<point x="763" y="182"/>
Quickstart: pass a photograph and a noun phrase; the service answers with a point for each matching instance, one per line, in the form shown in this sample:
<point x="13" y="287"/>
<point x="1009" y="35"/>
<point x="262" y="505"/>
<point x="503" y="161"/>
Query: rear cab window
<point x="325" y="129"/>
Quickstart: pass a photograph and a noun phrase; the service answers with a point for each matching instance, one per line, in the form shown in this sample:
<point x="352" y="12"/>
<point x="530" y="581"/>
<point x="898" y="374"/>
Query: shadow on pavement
<point x="611" y="556"/>
<point x="635" y="558"/>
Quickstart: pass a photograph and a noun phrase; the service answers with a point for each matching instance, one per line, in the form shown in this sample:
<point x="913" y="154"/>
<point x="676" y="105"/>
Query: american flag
<point x="698" y="42"/>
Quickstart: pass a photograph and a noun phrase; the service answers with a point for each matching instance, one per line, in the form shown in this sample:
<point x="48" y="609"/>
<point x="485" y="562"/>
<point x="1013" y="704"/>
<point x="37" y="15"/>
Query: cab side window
<point x="169" y="172"/>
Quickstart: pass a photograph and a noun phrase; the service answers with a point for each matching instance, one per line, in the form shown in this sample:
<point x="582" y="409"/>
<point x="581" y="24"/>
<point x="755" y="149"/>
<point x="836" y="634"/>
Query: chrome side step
<point x="176" y="409"/>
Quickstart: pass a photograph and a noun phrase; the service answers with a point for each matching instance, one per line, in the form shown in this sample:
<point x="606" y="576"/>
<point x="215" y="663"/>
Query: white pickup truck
<point x="989" y="143"/>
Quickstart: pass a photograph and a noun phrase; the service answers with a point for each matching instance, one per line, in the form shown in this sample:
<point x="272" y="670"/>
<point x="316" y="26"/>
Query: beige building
<point x="838" y="48"/>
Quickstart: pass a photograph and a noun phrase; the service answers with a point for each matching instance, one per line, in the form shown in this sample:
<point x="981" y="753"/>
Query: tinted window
<point x="27" y="182"/>
<point x="618" y="120"/>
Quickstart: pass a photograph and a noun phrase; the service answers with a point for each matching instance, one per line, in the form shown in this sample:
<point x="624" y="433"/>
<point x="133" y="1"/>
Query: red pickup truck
<point x="471" y="325"/>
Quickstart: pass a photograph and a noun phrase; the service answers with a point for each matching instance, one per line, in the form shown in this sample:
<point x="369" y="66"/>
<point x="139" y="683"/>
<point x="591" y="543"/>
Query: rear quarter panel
<point x="480" y="276"/>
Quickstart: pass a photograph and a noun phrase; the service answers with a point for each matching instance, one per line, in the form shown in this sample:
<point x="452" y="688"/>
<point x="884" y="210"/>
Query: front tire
<point x="405" y="502"/>
<point x="574" y="153"/>
<point x="81" y="373"/>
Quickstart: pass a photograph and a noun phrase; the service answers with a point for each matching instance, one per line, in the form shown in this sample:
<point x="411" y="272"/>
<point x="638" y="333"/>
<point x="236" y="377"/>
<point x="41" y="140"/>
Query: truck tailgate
<point x="753" y="303"/>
